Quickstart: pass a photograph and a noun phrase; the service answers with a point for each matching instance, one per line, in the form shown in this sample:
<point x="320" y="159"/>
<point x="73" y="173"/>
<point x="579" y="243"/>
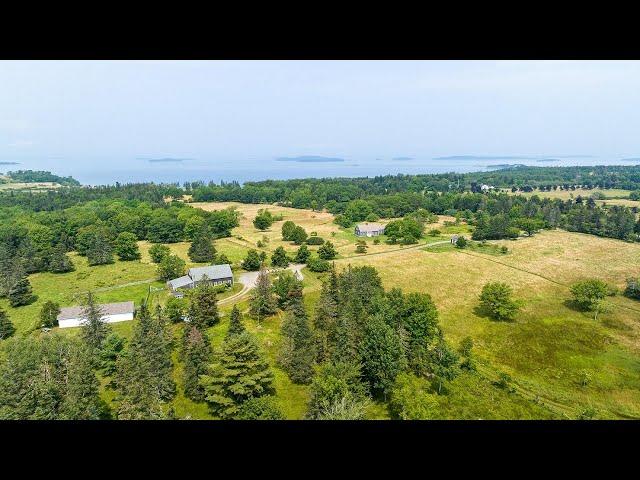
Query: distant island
<point x="547" y="160"/>
<point x="309" y="159"/>
<point x="401" y="159"/>
<point x="166" y="160"/>
<point x="506" y="165"/>
<point x="630" y="159"/>
<point x="484" y="157"/>
<point x="9" y="163"/>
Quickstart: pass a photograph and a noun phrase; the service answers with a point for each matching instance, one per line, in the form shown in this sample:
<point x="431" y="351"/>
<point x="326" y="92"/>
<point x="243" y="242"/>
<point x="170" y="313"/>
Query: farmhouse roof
<point x="370" y="227"/>
<point x="106" y="309"/>
<point x="180" y="282"/>
<point x="213" y="272"/>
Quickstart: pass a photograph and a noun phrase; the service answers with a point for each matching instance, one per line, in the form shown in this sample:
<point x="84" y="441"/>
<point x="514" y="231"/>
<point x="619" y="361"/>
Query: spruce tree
<point x="279" y="258"/>
<point x="239" y="373"/>
<point x="325" y="324"/>
<point x="21" y="293"/>
<point x="59" y="261"/>
<point x="235" y="323"/>
<point x="303" y="254"/>
<point x="197" y="355"/>
<point x="144" y="371"/>
<point x="262" y="302"/>
<point x="82" y="399"/>
<point x="6" y="327"/>
<point x="94" y="328"/>
<point x="203" y="306"/>
<point x="202" y="249"/>
<point x="297" y="354"/>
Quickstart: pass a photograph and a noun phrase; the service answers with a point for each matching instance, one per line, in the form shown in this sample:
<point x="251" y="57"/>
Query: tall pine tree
<point x="202" y="249"/>
<point x="203" y="306"/>
<point x="238" y="374"/>
<point x="94" y="328"/>
<point x="235" y="323"/>
<point x="262" y="302"/>
<point x="144" y="371"/>
<point x="297" y="354"/>
<point x="59" y="261"/>
<point x="21" y="293"/>
<point x="197" y="356"/>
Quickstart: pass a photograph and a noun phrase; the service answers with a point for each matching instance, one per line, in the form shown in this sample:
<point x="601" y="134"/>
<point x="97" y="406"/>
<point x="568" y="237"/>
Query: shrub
<point x="633" y="288"/>
<point x="158" y="251"/>
<point x="327" y="251"/>
<point x="315" y="240"/>
<point x="461" y="242"/>
<point x="411" y="400"/>
<point x="318" y="265"/>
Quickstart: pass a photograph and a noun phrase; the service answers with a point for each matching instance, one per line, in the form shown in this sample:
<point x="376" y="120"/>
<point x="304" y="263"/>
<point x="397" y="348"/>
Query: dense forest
<point x="31" y="176"/>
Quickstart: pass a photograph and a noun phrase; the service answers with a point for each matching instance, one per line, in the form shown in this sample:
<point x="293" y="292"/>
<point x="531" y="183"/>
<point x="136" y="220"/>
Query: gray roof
<point x="370" y="227"/>
<point x="180" y="282"/>
<point x="213" y="272"/>
<point x="68" y="313"/>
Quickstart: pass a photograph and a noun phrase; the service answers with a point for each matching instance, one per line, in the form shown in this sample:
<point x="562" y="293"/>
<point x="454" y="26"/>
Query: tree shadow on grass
<point x="482" y="312"/>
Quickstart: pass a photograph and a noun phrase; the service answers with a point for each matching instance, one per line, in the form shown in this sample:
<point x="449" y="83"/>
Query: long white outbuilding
<point x="110" y="312"/>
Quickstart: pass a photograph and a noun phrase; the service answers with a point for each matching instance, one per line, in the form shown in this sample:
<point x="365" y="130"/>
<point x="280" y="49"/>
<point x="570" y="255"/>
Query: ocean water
<point x="102" y="171"/>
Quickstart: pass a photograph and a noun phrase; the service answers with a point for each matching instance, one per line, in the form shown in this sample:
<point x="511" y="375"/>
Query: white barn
<point x="111" y="313"/>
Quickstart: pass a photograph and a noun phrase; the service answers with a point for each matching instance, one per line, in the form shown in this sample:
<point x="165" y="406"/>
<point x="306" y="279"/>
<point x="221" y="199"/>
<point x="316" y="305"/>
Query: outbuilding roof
<point x="106" y="309"/>
<point x="180" y="282"/>
<point x="213" y="272"/>
<point x="370" y="227"/>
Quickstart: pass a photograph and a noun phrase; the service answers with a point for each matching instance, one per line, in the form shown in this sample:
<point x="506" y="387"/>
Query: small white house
<point x="486" y="188"/>
<point x="111" y="313"/>
<point x="369" y="229"/>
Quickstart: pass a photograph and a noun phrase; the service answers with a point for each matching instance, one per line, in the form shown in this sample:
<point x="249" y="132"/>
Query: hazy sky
<point x="120" y="111"/>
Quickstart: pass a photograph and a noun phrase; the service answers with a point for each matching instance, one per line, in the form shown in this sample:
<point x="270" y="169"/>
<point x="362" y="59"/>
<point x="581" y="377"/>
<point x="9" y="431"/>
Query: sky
<point x="88" y="114"/>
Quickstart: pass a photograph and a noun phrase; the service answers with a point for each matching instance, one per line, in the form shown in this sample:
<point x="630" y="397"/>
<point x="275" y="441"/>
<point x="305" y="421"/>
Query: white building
<point x="213" y="274"/>
<point x="369" y="229"/>
<point x="110" y="312"/>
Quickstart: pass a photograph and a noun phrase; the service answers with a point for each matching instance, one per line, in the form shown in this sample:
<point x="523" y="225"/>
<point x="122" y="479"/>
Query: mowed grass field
<point x="569" y="194"/>
<point x="561" y="361"/>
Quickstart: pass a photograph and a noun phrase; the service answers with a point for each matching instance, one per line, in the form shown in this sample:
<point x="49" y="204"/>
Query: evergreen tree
<point x="327" y="251"/>
<point x="279" y="258"/>
<point x="82" y="396"/>
<point x="238" y="374"/>
<point x="252" y="261"/>
<point x="59" y="261"/>
<point x="336" y="385"/>
<point x="284" y="284"/>
<point x="144" y="371"/>
<point x="126" y="247"/>
<point x="6" y="327"/>
<point x="112" y="348"/>
<point x="303" y="254"/>
<point x="202" y="249"/>
<point x="197" y="355"/>
<point x="49" y="314"/>
<point x="94" y="328"/>
<point x="21" y="293"/>
<point x="325" y="324"/>
<point x="260" y="408"/>
<point x="203" y="306"/>
<point x="297" y="354"/>
<point x="262" y="302"/>
<point x="381" y="355"/>
<point x="235" y="323"/>
<point x="100" y="251"/>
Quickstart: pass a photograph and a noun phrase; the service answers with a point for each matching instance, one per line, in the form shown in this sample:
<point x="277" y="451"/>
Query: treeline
<point x="39" y="241"/>
<point x="67" y="197"/>
<point x="34" y="176"/>
<point x="325" y="192"/>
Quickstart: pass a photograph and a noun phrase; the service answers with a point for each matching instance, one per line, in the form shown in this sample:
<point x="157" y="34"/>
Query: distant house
<point x="213" y="274"/>
<point x="111" y="313"/>
<point x="454" y="239"/>
<point x="485" y="188"/>
<point x="369" y="229"/>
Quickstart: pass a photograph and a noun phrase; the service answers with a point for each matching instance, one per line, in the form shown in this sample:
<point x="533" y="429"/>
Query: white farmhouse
<point x="111" y="313"/>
